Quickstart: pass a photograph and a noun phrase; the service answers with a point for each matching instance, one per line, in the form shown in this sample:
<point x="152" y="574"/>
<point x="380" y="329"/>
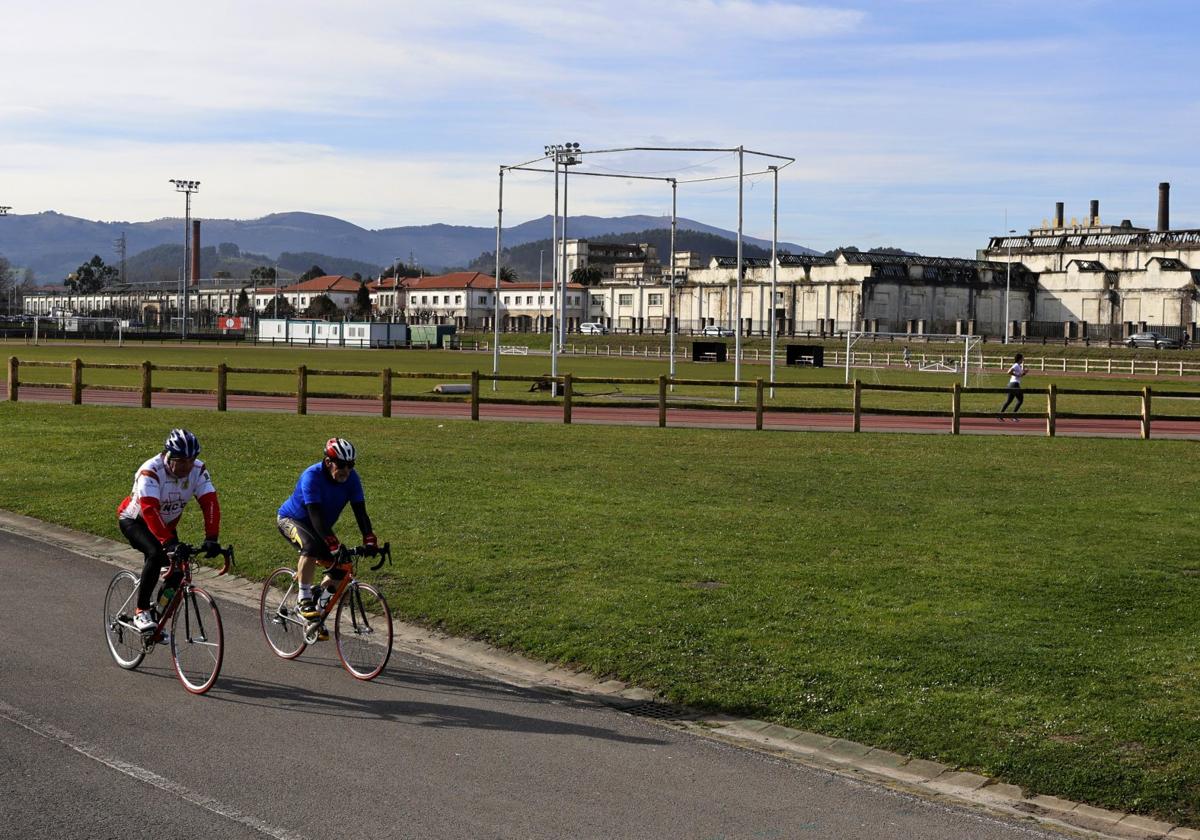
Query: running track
<point x="1029" y="424"/>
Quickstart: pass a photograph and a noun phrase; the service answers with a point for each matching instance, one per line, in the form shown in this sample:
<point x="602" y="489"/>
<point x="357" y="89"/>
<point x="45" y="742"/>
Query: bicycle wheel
<point x="197" y="640"/>
<point x="124" y="643"/>
<point x="281" y="621"/>
<point x="363" y="631"/>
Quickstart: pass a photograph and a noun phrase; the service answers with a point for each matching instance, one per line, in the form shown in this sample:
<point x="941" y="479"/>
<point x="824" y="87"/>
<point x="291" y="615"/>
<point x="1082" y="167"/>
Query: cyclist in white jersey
<point x="149" y="515"/>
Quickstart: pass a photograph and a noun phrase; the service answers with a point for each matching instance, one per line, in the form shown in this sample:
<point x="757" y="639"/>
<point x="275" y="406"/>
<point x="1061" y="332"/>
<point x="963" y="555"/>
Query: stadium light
<point x="1008" y="286"/>
<point x="187" y="187"/>
<point x="4" y="212"/>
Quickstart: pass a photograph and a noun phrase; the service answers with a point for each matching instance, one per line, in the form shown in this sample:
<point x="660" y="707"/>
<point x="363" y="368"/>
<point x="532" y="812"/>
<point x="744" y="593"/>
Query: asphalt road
<point x="301" y="750"/>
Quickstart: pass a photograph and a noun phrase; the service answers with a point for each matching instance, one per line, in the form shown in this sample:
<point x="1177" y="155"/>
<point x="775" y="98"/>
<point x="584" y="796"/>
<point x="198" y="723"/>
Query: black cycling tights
<point x="141" y="538"/>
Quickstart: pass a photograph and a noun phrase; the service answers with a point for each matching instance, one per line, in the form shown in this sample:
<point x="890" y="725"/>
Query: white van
<point x="593" y="328"/>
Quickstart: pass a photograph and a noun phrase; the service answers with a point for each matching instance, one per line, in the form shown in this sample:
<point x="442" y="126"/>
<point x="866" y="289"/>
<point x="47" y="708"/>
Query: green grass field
<point x="453" y="362"/>
<point x="1021" y="606"/>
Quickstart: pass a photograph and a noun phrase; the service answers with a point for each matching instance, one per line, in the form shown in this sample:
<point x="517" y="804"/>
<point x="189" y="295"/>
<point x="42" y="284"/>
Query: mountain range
<point x="53" y="245"/>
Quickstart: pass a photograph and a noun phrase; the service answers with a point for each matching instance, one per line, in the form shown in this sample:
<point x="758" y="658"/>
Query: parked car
<point x="1153" y="339"/>
<point x="717" y="331"/>
<point x="593" y="328"/>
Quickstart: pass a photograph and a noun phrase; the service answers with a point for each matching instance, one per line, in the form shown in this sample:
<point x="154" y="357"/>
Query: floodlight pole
<point x="774" y="273"/>
<point x="4" y="212"/>
<point x="1008" y="286"/>
<point x="554" y="279"/>
<point x="737" y="335"/>
<point x="187" y="188"/>
<point x="496" y="302"/>
<point x="671" y="287"/>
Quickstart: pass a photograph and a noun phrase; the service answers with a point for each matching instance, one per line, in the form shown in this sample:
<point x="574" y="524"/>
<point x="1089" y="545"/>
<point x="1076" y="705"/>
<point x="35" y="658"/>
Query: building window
<point x="597" y="300"/>
<point x="541" y="300"/>
<point x="457" y="299"/>
<point x="424" y="299"/>
<point x="655" y="300"/>
<point x="625" y="299"/>
<point x="529" y="300"/>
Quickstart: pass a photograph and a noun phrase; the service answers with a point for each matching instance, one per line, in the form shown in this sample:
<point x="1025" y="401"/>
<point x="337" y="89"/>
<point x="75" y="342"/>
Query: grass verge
<point x="1024" y="607"/>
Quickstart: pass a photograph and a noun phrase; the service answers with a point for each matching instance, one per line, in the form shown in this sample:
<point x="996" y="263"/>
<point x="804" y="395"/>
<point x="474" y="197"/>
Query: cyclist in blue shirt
<point x="307" y="518"/>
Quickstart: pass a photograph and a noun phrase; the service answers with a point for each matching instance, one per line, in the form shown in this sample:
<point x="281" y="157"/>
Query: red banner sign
<point x="231" y="322"/>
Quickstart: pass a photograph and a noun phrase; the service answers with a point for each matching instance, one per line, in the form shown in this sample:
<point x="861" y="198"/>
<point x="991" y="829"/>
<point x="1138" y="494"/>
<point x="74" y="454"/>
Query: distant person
<point x="150" y="514"/>
<point x="1015" y="373"/>
<point x="307" y="518"/>
<point x="907" y="357"/>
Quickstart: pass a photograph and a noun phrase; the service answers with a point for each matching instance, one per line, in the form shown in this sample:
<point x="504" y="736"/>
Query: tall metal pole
<point x="1008" y="287"/>
<point x="554" y="243"/>
<point x="187" y="187"/>
<point x="774" y="274"/>
<point x="496" y="302"/>
<point x="737" y="335"/>
<point x="562" y="322"/>
<point x="12" y="286"/>
<point x="671" y="287"/>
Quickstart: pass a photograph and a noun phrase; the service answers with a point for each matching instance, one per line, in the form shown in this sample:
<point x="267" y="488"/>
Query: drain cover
<point x="658" y="711"/>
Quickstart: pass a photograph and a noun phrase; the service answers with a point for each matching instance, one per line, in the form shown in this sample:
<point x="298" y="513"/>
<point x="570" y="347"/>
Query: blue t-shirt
<point x="316" y="486"/>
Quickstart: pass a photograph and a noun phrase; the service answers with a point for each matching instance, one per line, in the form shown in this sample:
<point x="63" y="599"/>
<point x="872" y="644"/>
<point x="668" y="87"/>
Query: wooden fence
<point x="566" y="383"/>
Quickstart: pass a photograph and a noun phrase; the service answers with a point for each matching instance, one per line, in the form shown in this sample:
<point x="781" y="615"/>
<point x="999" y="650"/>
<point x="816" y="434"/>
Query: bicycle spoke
<point x="279" y="614"/>
<point x="197" y="641"/>
<point x="363" y="630"/>
<point x="124" y="643"/>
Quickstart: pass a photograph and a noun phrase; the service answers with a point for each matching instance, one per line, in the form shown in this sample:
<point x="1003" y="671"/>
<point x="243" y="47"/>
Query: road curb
<point x="929" y="779"/>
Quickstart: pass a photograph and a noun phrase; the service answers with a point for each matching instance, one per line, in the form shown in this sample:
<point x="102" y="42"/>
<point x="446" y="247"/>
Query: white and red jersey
<point x="159" y="498"/>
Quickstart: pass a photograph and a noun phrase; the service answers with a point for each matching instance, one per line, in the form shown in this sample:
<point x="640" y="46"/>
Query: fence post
<point x="1051" y="408"/>
<point x="758" y="403"/>
<point x="13" y="383"/>
<point x="222" y="378"/>
<point x="146" y="380"/>
<point x="302" y="390"/>
<point x="662" y="401"/>
<point x="955" y="407"/>
<point x="385" y="392"/>
<point x="474" y="395"/>
<point x="857" y="406"/>
<point x="76" y="381"/>
<point x="567" y="398"/>
<point x="1146" y="413"/>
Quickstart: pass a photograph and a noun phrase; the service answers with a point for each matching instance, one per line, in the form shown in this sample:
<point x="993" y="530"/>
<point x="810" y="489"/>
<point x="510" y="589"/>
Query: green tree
<point x="586" y="275"/>
<point x="92" y="276"/>
<point x="315" y="271"/>
<point x="362" y="302"/>
<point x="279" y="307"/>
<point x="322" y="307"/>
<point x="244" y="307"/>
<point x="263" y="274"/>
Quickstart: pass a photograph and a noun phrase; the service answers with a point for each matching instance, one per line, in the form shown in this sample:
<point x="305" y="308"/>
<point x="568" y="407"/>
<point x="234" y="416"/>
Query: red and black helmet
<point x="339" y="449"/>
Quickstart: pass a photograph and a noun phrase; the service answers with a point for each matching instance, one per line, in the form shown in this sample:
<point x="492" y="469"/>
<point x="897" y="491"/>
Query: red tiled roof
<point x="327" y="283"/>
<point x="455" y="280"/>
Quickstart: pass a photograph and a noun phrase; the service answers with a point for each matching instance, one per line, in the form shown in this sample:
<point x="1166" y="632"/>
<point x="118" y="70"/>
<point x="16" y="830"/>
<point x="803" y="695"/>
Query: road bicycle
<point x="362" y="621"/>
<point x="196" y="636"/>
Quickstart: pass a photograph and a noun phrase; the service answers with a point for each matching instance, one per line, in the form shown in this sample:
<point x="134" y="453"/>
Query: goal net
<point x="931" y="353"/>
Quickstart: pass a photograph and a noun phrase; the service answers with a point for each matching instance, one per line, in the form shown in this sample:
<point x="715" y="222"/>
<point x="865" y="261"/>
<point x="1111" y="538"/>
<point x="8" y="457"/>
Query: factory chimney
<point x="1164" y="206"/>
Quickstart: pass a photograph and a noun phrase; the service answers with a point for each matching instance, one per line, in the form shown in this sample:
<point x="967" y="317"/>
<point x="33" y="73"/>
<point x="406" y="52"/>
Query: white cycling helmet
<point x="339" y="449"/>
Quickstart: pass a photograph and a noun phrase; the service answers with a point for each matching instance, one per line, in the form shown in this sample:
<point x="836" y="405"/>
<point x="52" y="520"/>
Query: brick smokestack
<point x="1164" y="206"/>
<point x="1058" y="214"/>
<point x="1094" y="212"/>
<point x="194" y="269"/>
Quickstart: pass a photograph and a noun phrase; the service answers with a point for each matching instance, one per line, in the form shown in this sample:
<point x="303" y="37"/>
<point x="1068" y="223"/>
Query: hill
<point x="53" y="245"/>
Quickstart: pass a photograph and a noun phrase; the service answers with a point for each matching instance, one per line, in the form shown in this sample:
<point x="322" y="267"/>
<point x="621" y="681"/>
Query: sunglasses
<point x="342" y="465"/>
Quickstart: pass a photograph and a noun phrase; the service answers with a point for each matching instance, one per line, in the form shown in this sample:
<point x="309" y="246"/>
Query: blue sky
<point x="914" y="123"/>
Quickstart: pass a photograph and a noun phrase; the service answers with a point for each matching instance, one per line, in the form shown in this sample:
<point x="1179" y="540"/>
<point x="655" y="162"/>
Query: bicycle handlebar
<point x="183" y="553"/>
<point x="384" y="552"/>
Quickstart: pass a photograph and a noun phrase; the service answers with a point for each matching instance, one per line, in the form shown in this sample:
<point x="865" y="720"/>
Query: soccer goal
<point x="937" y="354"/>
